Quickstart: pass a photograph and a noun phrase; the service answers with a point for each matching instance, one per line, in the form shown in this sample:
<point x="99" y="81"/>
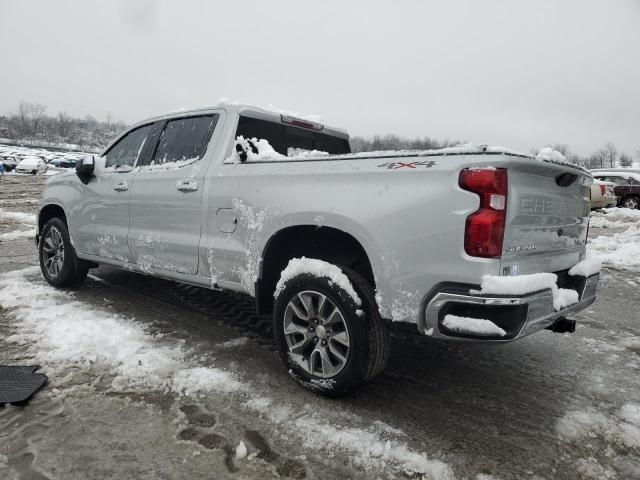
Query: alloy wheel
<point x="316" y="334"/>
<point x="53" y="251"/>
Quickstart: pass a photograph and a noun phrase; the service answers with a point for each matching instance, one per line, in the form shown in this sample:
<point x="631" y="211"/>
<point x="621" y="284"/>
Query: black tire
<point x="368" y="335"/>
<point x="631" y="201"/>
<point x="72" y="271"/>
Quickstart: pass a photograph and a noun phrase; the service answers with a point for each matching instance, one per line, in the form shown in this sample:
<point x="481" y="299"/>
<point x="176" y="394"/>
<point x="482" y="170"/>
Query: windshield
<point x="288" y="140"/>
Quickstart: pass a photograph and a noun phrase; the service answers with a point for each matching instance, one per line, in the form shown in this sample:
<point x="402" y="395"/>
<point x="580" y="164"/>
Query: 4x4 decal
<point x="397" y="165"/>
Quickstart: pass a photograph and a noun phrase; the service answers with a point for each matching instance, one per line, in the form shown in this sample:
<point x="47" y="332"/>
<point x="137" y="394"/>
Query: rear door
<point x="166" y="199"/>
<point x="100" y="221"/>
<point x="547" y="218"/>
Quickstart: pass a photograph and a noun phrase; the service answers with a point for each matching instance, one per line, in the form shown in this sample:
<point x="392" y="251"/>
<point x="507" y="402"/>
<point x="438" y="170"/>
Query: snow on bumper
<point x="528" y="304"/>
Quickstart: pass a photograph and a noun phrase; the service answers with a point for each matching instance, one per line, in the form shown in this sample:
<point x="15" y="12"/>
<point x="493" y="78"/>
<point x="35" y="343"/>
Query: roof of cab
<point x="248" y="110"/>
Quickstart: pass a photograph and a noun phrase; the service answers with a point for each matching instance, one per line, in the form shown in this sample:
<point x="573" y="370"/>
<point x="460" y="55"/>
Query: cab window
<point x="184" y="139"/>
<point x="128" y="149"/>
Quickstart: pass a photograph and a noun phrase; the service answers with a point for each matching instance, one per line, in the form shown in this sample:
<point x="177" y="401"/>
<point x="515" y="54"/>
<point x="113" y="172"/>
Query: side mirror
<point x="85" y="167"/>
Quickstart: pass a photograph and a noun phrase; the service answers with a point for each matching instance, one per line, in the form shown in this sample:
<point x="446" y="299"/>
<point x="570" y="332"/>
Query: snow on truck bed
<point x="266" y="153"/>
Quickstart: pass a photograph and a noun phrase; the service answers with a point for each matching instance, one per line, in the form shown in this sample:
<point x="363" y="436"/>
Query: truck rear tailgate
<point x="547" y="217"/>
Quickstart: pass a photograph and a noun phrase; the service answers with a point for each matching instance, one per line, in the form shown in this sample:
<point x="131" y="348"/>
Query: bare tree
<point x="37" y="111"/>
<point x="597" y="158"/>
<point x="563" y="148"/>
<point x="610" y="154"/>
<point x="63" y="124"/>
<point x="24" y="114"/>
<point x="625" y="160"/>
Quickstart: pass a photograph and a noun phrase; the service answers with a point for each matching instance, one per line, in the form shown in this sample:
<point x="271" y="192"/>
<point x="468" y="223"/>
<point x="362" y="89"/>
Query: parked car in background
<point x="32" y="165"/>
<point x="9" y="162"/>
<point x="63" y="162"/>
<point x="603" y="194"/>
<point x="627" y="183"/>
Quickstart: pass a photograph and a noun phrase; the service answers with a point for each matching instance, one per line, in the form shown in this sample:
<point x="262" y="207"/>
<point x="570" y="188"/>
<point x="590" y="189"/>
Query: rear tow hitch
<point x="563" y="325"/>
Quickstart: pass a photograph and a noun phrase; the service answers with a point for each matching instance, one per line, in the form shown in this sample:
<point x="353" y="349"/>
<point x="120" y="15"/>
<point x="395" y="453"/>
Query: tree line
<point x="607" y="156"/>
<point x="31" y="124"/>
<point x="395" y="142"/>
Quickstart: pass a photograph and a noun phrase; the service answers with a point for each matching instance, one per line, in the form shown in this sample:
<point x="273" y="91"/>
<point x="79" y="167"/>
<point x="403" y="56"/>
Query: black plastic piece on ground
<point x="18" y="384"/>
<point x="563" y="325"/>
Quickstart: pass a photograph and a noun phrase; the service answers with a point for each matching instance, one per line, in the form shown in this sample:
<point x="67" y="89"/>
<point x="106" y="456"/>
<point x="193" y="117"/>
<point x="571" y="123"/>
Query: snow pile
<point x="64" y="334"/>
<point x="523" y="284"/>
<point x="620" y="250"/>
<point x="369" y="448"/>
<point x="472" y="325"/>
<point x="26" y="221"/>
<point x="265" y="150"/>
<point x="550" y="155"/>
<point x="202" y="379"/>
<point x="301" y="153"/>
<point x="317" y="268"/>
<point x="20" y="217"/>
<point x="614" y="218"/>
<point x="15" y="235"/>
<point x="586" y="268"/>
<point x="621" y="428"/>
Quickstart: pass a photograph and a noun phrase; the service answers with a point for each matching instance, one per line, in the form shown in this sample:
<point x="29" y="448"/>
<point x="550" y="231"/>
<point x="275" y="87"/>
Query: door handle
<point x="187" y="185"/>
<point x="121" y="187"/>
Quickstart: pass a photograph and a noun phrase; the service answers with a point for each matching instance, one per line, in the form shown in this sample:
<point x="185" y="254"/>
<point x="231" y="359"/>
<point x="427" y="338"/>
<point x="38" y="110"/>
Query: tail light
<point x="484" y="231"/>
<point x="603" y="189"/>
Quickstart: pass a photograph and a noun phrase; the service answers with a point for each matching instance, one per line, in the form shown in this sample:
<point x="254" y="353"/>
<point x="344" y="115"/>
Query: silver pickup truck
<point x="472" y="243"/>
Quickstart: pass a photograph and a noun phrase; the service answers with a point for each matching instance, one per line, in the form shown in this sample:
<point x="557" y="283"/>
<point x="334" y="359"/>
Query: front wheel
<point x="631" y="202"/>
<point x="58" y="261"/>
<point x="329" y="343"/>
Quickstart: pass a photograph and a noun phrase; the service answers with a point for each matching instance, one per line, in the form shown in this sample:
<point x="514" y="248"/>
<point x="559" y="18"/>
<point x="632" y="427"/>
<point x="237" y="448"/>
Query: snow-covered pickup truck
<point x="471" y="243"/>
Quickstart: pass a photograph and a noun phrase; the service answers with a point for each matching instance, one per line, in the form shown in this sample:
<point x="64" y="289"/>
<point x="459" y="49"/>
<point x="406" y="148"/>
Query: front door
<point x="102" y="215"/>
<point x="166" y="199"/>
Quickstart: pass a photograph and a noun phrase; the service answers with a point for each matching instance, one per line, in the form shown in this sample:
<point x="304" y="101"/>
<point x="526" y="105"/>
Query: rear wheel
<point x="330" y="344"/>
<point x="58" y="261"/>
<point x="631" y="202"/>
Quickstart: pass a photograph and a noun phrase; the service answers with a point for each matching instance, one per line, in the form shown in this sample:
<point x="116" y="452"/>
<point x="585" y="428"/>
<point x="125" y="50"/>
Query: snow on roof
<point x="271" y="109"/>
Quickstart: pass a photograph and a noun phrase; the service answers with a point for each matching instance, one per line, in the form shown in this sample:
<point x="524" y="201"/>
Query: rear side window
<point x="618" y="180"/>
<point x="286" y="138"/>
<point x="127" y="150"/>
<point x="184" y="139"/>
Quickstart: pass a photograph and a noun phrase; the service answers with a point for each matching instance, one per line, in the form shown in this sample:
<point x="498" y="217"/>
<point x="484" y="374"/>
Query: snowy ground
<point x="151" y="379"/>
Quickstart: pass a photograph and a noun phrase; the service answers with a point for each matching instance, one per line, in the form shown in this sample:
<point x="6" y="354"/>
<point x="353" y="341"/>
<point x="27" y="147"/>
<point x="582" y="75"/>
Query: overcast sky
<point x="513" y="73"/>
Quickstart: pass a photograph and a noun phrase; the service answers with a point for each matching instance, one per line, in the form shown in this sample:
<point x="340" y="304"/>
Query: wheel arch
<point x="328" y="242"/>
<point x="49" y="211"/>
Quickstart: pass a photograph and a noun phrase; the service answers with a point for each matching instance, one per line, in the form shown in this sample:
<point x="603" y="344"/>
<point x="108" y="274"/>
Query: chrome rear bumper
<point x="519" y="316"/>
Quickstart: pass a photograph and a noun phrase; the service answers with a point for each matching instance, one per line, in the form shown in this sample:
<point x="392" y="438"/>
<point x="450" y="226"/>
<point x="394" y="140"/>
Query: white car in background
<point x="32" y="165"/>
<point x="603" y="195"/>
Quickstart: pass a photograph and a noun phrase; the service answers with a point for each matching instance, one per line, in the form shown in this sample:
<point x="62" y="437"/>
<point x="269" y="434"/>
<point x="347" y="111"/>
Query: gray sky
<point x="515" y="73"/>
